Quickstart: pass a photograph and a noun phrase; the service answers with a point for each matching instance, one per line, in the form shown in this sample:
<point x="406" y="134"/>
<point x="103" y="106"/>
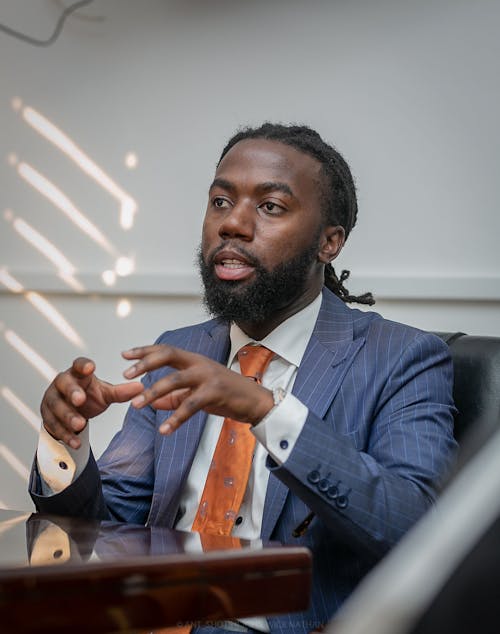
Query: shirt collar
<point x="288" y="340"/>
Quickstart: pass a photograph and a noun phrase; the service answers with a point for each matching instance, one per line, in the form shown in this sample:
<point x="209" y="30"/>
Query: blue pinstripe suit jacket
<point x="380" y="426"/>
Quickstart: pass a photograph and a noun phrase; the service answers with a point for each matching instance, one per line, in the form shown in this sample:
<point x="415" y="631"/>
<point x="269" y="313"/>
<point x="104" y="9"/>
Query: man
<point x="353" y="415"/>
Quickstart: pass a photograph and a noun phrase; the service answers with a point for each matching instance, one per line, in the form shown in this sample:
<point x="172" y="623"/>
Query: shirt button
<point x="238" y="520"/>
<point x="284" y="444"/>
<point x="63" y="465"/>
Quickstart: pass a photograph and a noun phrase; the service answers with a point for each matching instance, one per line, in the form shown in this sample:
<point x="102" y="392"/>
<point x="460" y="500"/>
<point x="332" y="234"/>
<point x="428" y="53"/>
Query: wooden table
<point x="72" y="575"/>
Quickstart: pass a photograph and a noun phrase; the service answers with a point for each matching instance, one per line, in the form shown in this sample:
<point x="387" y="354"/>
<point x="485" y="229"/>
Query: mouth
<point x="232" y="266"/>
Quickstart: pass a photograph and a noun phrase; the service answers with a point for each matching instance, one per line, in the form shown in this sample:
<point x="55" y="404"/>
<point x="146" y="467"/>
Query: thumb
<point x="123" y="392"/>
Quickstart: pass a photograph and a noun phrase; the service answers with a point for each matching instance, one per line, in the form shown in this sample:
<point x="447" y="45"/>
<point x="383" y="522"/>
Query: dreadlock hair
<point x="339" y="203"/>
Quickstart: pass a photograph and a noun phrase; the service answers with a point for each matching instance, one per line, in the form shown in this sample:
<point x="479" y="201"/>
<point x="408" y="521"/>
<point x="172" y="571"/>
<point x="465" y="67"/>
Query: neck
<point x="259" y="330"/>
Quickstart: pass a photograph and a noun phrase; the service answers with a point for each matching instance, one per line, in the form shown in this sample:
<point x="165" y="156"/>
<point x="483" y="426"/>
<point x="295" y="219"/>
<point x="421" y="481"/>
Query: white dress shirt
<point x="59" y="465"/>
<point x="288" y="341"/>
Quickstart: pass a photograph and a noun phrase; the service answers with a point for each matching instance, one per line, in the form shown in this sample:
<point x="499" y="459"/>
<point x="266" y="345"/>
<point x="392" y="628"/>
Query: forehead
<point x="254" y="161"/>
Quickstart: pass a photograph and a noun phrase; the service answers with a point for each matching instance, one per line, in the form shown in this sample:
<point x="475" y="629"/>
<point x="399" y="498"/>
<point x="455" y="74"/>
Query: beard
<point x="260" y="299"/>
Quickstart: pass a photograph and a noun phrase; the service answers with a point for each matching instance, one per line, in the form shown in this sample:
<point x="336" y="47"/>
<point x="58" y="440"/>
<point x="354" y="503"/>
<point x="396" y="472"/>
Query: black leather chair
<point x="467" y="601"/>
<point x="476" y="391"/>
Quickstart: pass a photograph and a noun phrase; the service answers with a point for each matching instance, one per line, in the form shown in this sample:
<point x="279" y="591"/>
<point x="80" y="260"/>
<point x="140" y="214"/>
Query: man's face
<point x="263" y="233"/>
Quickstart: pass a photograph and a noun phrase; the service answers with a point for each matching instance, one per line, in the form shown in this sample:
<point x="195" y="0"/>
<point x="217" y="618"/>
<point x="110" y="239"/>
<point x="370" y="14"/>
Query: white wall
<point x="408" y="91"/>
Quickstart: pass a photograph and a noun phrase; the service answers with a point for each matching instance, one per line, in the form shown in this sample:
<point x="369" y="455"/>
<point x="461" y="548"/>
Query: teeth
<point x="233" y="264"/>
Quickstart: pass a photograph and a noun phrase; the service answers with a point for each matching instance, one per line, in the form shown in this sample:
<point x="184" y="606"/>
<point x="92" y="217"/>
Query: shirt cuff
<point x="58" y="464"/>
<point x="279" y="429"/>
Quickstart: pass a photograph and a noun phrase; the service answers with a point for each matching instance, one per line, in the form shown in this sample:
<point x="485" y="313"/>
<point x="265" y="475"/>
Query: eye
<point x="271" y="208"/>
<point x="220" y="203"/>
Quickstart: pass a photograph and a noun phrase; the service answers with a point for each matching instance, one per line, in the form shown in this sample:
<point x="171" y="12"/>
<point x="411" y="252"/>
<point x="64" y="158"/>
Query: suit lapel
<point x="327" y="358"/>
<point x="328" y="355"/>
<point x="176" y="452"/>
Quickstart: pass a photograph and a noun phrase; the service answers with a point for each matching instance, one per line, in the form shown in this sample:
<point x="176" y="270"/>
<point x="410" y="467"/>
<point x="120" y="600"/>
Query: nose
<point x="238" y="222"/>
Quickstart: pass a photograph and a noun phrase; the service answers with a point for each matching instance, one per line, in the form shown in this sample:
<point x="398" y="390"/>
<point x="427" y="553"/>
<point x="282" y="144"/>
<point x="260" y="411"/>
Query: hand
<point x="199" y="384"/>
<point x="76" y="395"/>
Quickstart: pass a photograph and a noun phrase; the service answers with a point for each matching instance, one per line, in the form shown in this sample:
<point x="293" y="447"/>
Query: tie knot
<point x="254" y="361"/>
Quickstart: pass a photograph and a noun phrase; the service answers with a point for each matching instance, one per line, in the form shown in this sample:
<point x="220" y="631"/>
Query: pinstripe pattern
<point x="380" y="422"/>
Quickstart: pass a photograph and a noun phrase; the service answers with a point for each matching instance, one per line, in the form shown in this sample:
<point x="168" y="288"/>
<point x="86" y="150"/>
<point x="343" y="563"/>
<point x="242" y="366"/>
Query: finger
<point x="171" y="401"/>
<point x="72" y="382"/>
<point x="82" y="367"/>
<point x="189" y="406"/>
<point x="163" y="387"/>
<point x="54" y="408"/>
<point x="69" y="388"/>
<point x="158" y="356"/>
<point x="139" y="351"/>
<point x="60" y="432"/>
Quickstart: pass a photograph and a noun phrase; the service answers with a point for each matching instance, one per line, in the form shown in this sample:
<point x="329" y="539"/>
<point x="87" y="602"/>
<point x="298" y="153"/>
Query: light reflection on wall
<point x="31" y="356"/>
<point x="62" y="202"/>
<point x="123" y="308"/>
<point x="121" y="265"/>
<point x="11" y="283"/>
<point x="43" y="305"/>
<point x="65" y="268"/>
<point x="27" y="413"/>
<point x="124" y="266"/>
<point x="109" y="277"/>
<point x="128" y="206"/>
<point x="13" y="461"/>
<point x="131" y="160"/>
<point x="55" y="317"/>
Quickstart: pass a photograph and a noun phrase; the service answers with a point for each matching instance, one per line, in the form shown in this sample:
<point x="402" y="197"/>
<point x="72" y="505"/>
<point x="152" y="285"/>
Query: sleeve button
<point x="333" y="491"/>
<point x="314" y="476"/>
<point x="324" y="485"/>
<point x="284" y="444"/>
<point x="342" y="501"/>
<point x="63" y="465"/>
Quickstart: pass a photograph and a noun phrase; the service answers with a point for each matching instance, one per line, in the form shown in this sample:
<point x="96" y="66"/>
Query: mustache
<point x="251" y="259"/>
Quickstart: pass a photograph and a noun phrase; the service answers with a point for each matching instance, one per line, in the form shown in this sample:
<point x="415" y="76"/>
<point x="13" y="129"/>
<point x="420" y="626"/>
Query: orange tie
<point x="232" y="460"/>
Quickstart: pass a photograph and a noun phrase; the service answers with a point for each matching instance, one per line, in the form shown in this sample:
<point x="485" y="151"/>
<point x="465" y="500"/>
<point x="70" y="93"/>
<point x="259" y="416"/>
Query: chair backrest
<point x="476" y="389"/>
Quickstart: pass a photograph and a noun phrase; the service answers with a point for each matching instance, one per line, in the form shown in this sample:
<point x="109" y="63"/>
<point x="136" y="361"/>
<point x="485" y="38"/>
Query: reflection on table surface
<point x="125" y="577"/>
<point x="38" y="539"/>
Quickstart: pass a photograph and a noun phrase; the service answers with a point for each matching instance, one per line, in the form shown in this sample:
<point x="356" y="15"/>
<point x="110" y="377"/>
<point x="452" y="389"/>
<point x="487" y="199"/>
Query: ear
<point x="332" y="241"/>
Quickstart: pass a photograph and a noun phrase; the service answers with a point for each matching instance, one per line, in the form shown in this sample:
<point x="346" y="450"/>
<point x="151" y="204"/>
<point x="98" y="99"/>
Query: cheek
<point x="272" y="253"/>
<point x="208" y="232"/>
<point x="284" y="245"/>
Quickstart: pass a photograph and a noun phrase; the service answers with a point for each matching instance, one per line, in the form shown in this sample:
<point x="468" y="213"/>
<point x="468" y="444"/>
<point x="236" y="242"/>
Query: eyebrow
<point x="265" y="188"/>
<point x="272" y="186"/>
<point x="223" y="184"/>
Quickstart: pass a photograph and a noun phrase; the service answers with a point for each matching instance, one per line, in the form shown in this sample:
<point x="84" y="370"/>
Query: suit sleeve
<point x="371" y="478"/>
<point x="119" y="485"/>
<point x="82" y="498"/>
